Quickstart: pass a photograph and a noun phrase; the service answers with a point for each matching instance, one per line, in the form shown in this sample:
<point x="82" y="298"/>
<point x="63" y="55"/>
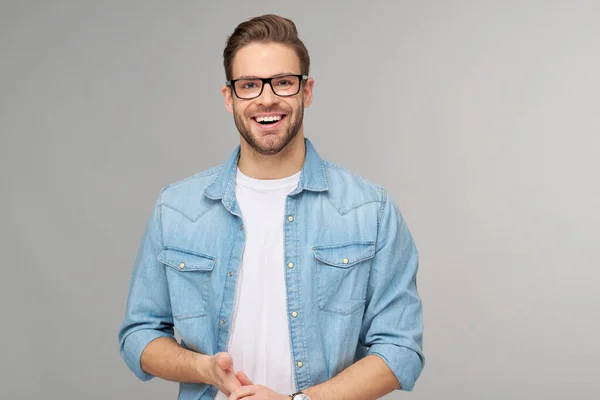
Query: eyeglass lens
<point x="282" y="86"/>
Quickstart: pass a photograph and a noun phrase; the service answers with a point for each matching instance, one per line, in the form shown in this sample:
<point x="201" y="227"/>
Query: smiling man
<point x="283" y="273"/>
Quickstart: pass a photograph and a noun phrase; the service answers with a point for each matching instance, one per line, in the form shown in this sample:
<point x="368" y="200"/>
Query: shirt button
<point x="223" y="322"/>
<point x="230" y="274"/>
<point x="294" y="314"/>
<point x="300" y="364"/>
<point x="182" y="265"/>
<point x="345" y="261"/>
<point x="291" y="265"/>
<point x="241" y="227"/>
<point x="291" y="219"/>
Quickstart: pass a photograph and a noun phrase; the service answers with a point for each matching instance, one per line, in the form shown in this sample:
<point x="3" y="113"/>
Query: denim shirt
<point x="350" y="274"/>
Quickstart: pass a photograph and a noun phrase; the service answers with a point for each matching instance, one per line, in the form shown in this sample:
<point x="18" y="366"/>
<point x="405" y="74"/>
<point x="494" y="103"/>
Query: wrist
<point x="204" y="369"/>
<point x="310" y="392"/>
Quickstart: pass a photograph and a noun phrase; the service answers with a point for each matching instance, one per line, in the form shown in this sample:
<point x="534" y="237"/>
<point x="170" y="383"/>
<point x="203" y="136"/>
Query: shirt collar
<point x="312" y="178"/>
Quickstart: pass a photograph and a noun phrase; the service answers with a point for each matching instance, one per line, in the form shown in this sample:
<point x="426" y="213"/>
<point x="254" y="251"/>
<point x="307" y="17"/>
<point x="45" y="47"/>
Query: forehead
<point x="264" y="60"/>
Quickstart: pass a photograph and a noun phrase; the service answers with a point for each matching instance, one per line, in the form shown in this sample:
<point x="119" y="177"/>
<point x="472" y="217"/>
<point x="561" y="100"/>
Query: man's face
<point x="265" y="60"/>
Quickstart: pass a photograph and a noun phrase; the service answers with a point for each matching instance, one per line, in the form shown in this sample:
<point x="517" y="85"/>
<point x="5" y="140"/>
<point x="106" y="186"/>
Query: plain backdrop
<point x="481" y="118"/>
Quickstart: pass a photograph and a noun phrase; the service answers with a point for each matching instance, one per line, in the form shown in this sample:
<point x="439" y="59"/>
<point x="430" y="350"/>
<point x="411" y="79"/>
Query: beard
<point x="275" y="142"/>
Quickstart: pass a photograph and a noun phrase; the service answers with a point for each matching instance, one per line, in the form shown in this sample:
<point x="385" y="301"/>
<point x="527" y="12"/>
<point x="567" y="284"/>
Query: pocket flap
<point x="186" y="260"/>
<point x="346" y="254"/>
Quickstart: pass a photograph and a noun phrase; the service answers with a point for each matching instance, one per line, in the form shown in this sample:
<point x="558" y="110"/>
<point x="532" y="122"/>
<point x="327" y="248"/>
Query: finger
<point x="243" y="378"/>
<point x="253" y="397"/>
<point x="224" y="361"/>
<point x="231" y="384"/>
<point x="243" y="391"/>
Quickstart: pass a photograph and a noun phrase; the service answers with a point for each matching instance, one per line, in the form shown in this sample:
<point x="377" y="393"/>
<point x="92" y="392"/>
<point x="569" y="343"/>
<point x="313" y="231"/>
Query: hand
<point x="254" y="392"/>
<point x="243" y="378"/>
<point x="222" y="375"/>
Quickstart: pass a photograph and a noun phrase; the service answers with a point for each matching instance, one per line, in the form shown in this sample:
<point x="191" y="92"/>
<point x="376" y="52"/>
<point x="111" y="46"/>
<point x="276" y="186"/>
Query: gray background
<point x="480" y="117"/>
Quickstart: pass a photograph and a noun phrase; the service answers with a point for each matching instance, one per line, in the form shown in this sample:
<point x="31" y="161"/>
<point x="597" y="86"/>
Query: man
<point x="284" y="274"/>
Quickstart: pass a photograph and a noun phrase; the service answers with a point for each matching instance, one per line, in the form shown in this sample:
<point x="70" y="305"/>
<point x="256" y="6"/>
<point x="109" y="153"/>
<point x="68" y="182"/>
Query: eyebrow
<point x="274" y="76"/>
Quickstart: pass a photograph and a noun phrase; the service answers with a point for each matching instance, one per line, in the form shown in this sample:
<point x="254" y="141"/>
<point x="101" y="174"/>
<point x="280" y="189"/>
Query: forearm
<point x="369" y="378"/>
<point x="165" y="358"/>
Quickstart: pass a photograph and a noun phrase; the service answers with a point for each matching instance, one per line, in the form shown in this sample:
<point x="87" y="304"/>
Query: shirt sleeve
<point x="392" y="325"/>
<point x="148" y="314"/>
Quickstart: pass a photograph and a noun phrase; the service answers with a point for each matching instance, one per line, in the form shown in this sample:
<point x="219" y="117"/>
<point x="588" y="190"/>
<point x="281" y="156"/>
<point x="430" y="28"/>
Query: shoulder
<point x="186" y="196"/>
<point x="190" y="184"/>
<point x="348" y="191"/>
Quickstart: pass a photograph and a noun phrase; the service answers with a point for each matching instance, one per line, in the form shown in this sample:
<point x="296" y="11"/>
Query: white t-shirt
<point x="259" y="340"/>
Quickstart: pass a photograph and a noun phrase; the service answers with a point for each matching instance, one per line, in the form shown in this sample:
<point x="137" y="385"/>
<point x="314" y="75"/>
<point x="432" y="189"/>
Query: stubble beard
<point x="275" y="143"/>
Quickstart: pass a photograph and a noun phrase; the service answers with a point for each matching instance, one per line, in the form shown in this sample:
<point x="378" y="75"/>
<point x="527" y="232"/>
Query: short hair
<point x="267" y="28"/>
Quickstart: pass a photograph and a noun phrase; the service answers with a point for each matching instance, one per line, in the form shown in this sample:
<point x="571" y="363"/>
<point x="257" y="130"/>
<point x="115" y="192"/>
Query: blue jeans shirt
<point x="350" y="274"/>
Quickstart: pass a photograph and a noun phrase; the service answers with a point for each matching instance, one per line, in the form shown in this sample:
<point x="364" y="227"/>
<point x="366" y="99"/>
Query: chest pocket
<point x="342" y="273"/>
<point x="188" y="274"/>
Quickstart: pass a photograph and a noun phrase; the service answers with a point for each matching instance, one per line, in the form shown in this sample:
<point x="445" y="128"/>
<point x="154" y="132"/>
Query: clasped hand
<point x="238" y="386"/>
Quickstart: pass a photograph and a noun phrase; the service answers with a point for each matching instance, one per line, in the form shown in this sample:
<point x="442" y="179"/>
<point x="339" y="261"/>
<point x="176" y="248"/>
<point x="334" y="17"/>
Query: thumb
<point x="243" y="378"/>
<point x="224" y="361"/>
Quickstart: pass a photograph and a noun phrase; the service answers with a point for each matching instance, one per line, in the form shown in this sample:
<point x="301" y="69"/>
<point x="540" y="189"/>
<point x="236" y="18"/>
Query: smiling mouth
<point x="269" y="123"/>
<point x="270" y="120"/>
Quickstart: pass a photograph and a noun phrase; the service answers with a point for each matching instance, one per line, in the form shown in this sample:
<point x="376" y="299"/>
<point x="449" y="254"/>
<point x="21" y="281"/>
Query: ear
<point x="226" y="91"/>
<point x="307" y="91"/>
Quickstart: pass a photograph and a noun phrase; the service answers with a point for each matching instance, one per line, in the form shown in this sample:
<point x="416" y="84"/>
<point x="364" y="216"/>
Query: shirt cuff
<point x="133" y="347"/>
<point x="405" y="363"/>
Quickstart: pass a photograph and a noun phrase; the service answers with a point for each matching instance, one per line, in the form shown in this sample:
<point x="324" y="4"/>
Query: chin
<point x="270" y="149"/>
<point x="270" y="144"/>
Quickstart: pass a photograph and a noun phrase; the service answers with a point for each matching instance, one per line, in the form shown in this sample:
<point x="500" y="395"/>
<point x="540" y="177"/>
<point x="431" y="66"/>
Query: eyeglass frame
<point x="265" y="81"/>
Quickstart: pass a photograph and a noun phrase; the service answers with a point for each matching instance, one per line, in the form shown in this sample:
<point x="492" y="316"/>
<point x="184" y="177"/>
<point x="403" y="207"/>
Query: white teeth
<point x="268" y="119"/>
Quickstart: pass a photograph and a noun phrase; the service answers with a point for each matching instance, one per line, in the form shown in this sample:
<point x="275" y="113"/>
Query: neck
<point x="276" y="166"/>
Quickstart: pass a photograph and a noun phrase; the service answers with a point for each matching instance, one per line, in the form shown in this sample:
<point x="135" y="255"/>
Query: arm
<point x="392" y="323"/>
<point x="165" y="358"/>
<point x="369" y="378"/>
<point x="146" y="336"/>
<point x="392" y="327"/>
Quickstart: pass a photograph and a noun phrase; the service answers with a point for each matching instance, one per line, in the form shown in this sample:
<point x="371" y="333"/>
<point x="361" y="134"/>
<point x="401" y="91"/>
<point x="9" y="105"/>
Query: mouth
<point x="269" y="122"/>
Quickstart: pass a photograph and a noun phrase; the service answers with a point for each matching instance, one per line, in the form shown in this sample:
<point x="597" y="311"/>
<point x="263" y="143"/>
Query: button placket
<point x="294" y="291"/>
<point x="225" y="313"/>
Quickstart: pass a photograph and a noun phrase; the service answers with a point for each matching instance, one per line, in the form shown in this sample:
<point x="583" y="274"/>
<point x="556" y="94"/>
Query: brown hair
<point x="265" y="29"/>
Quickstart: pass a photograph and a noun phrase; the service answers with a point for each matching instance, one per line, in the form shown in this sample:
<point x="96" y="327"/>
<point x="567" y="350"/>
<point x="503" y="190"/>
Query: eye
<point x="249" y="85"/>
<point x="283" y="82"/>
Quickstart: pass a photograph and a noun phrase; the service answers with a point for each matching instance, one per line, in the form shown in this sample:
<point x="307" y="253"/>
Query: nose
<point x="268" y="97"/>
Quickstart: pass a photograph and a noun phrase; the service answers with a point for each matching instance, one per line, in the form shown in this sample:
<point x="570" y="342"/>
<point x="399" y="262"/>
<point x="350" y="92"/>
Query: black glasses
<point x="282" y="85"/>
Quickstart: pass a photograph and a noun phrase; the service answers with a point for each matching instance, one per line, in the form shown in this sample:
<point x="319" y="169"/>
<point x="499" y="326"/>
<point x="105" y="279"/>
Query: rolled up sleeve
<point x="148" y="314"/>
<point x="392" y="326"/>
